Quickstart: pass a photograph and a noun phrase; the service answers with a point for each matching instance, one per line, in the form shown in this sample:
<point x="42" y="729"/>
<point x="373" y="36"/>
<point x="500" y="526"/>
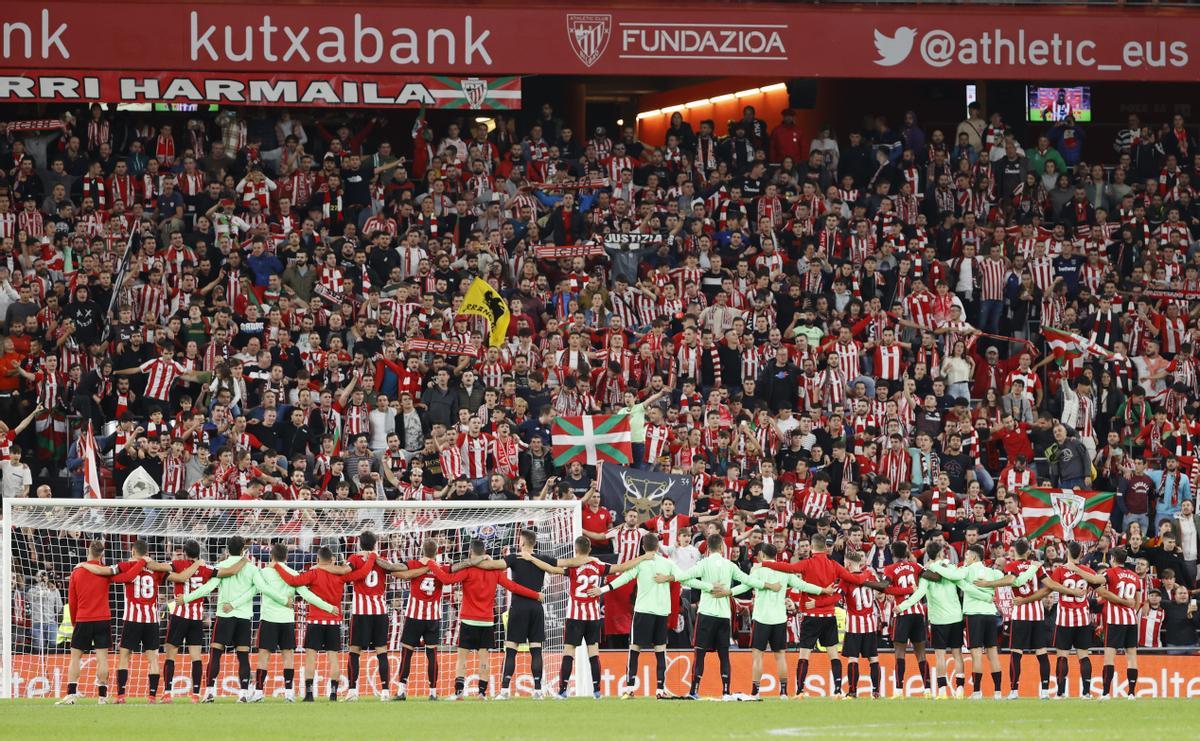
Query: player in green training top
<point x="650" y="610"/>
<point x="945" y="615"/>
<point x="979" y="605"/>
<point x="769" y="620"/>
<point x="712" y="624"/>
<point x="277" y="626"/>
<point x="235" y="608"/>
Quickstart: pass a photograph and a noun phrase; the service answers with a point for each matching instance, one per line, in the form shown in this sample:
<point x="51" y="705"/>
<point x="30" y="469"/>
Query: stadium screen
<point x="1056" y="103"/>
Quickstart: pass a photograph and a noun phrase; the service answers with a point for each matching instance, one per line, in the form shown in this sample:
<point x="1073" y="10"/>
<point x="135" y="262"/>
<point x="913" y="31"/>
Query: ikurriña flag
<point x="1069" y="514"/>
<point x="592" y="439"/>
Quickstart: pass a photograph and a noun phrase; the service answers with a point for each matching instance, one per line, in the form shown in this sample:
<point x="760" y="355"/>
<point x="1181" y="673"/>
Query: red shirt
<point x="87" y="593"/>
<point x="599" y="520"/>
<point x="821" y="571"/>
<point x="479" y="590"/>
<point x="329" y="587"/>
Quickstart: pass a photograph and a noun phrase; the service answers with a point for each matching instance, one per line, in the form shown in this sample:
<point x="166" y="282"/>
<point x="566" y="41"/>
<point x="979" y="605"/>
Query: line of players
<point x="940" y="602"/>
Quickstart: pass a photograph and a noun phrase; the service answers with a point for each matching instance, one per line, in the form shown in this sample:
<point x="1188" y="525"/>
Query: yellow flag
<point x="486" y="302"/>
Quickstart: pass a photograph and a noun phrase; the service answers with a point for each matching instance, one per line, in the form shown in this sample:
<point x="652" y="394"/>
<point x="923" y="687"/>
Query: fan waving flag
<point x="485" y="301"/>
<point x="91" y="467"/>
<point x="592" y="439"/>
<point x="1065" y="513"/>
<point x="1066" y="346"/>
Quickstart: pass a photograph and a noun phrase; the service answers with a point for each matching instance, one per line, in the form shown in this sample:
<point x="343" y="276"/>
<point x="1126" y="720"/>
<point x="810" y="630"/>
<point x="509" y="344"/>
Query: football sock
<point x="898" y="680"/>
<point x="1044" y="670"/>
<point x="406" y="655"/>
<point x="214" y="666"/>
<point x="1108" y="673"/>
<point x="1131" y="676"/>
<point x="564" y="671"/>
<point x="852" y="671"/>
<point x="875" y="680"/>
<point x="835" y="668"/>
<point x="996" y="681"/>
<point x="122" y="680"/>
<point x="168" y="674"/>
<point x="385" y="671"/>
<point x="535" y="666"/>
<point x="289" y="678"/>
<point x="197" y="675"/>
<point x="510" y="666"/>
<point x="660" y="669"/>
<point x="353" y="670"/>
<point x="431" y="667"/>
<point x="1085" y="675"/>
<point x="260" y="679"/>
<point x="243" y="658"/>
<point x="594" y="663"/>
<point x="1060" y="675"/>
<point x="154" y="685"/>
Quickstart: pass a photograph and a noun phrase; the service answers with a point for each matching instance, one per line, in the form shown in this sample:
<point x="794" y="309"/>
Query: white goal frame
<point x="7" y="667"/>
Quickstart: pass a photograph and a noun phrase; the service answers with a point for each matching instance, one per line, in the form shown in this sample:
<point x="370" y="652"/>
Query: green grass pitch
<point x="609" y="718"/>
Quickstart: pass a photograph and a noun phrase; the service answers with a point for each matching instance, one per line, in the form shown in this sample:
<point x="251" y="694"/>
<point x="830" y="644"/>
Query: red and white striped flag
<point x="91" y="464"/>
<point x="1064" y="513"/>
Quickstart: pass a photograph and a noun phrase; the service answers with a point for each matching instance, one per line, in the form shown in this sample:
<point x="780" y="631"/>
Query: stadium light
<point x="773" y="88"/>
<point x="747" y="93"/>
<point x="722" y="98"/>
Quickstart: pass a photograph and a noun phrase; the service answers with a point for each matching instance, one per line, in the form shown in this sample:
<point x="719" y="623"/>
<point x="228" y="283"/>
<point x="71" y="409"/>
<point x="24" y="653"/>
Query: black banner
<point x="623" y="488"/>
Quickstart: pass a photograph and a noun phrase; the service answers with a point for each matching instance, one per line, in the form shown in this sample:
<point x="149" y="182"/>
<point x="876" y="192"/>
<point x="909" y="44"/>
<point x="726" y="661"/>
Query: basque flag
<point x="1066" y="514"/>
<point x="591" y="439"/>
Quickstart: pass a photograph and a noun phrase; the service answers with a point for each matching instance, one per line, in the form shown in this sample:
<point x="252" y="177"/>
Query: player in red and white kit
<point x="369" y="627"/>
<point x="185" y="625"/>
<point x="1122" y="592"/>
<point x="910" y="626"/>
<point x="861" y="640"/>
<point x="1073" y="620"/>
<point x="584" y="625"/>
<point x="477" y="616"/>
<point x="1026" y="626"/>
<point x="87" y="599"/>
<point x="422" y="622"/>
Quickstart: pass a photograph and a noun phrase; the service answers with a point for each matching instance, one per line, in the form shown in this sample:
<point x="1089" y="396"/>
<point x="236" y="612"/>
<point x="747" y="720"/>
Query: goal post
<point x="41" y="540"/>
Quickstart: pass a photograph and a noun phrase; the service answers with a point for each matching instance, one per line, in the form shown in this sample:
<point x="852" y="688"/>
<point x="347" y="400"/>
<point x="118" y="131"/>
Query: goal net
<point x="43" y="540"/>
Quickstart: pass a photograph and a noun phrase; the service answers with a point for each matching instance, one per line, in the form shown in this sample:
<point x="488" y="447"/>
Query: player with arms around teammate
<point x="1073" y="619"/>
<point x="186" y="622"/>
<point x="978" y="585"/>
<point x="91" y="617"/>
<point x="911" y="625"/>
<point x="477" y="616"/>
<point x="769" y="618"/>
<point x="235" y="608"/>
<point x="323" y="632"/>
<point x="712" y="623"/>
<point x="1027" y="620"/>
<point x="526" y="617"/>
<point x="584" y="625"/>
<point x="369" y="626"/>
<point x="277" y="623"/>
<point x="650" y="610"/>
<point x="1121" y="590"/>
<point x="862" y="622"/>
<point x="422" y="622"/>
<point x="945" y="616"/>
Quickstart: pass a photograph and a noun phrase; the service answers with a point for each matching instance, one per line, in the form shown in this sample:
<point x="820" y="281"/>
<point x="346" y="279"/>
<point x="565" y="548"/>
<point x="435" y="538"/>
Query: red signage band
<point x="276" y="89"/>
<point x="778" y="40"/>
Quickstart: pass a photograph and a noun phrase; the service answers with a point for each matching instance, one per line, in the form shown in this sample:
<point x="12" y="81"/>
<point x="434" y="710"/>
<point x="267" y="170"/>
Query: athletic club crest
<point x="589" y="34"/>
<point x="475" y="91"/>
<point x="1069" y="507"/>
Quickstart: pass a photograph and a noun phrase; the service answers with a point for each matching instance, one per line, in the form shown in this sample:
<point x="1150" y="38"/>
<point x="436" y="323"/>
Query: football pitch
<point x="585" y="718"/>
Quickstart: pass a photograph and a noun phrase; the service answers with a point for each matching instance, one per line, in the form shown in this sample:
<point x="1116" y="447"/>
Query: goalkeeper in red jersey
<point x="477" y="617"/>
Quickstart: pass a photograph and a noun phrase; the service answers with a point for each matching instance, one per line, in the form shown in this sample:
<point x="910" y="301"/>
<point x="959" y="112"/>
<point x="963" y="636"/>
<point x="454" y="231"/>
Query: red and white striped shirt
<point x="626" y="542"/>
<point x="888" y="364"/>
<point x="994" y="273"/>
<point x="1072" y="611"/>
<point x="1029" y="610"/>
<point x="369" y="593"/>
<point x="474" y="452"/>
<point x="190" y="610"/>
<point x="582" y="578"/>
<point x="425" y="596"/>
<point x="141" y="597"/>
<point x="162" y="377"/>
<point x="862" y="615"/>
<point x="1126" y="585"/>
<point x="904" y="574"/>
<point x="1150" y="628"/>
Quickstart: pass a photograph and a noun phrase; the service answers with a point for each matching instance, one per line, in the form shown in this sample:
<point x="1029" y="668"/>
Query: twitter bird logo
<point x="894" y="49"/>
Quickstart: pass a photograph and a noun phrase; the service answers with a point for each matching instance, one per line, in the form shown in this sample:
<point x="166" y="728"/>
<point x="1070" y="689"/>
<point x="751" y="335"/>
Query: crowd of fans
<point x="829" y="333"/>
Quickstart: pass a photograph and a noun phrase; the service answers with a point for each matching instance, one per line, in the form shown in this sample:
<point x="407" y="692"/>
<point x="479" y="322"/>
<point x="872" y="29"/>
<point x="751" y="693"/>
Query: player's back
<point x="905" y="575"/>
<point x="425" y="595"/>
<point x="141" y="596"/>
<point x="87" y="595"/>
<point x="189" y="610"/>
<point x="1029" y="610"/>
<point x="581" y="579"/>
<point x="370" y="592"/>
<point x="1072" y="611"/>
<point x="1126" y="585"/>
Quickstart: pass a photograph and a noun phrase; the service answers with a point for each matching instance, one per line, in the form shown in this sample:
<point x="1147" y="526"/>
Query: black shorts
<point x="140" y="637"/>
<point x="526" y="622"/>
<point x="231" y="632"/>
<point x="182" y="631"/>
<point x="477" y="637"/>
<point x="816" y="629"/>
<point x="582" y="632"/>
<point x="369" y="631"/>
<point x="1026" y="635"/>
<point x="1079" y="637"/>
<point x="765" y="637"/>
<point x="909" y="629"/>
<point x="983" y="631"/>
<point x="860" y="645"/>
<point x="319" y="637"/>
<point x="92" y="635"/>
<point x="1121" y="636"/>
<point x="649" y="630"/>
<point x="417" y="631"/>
<point x="946" y="636"/>
<point x="276" y="636"/>
<point x="712" y="633"/>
